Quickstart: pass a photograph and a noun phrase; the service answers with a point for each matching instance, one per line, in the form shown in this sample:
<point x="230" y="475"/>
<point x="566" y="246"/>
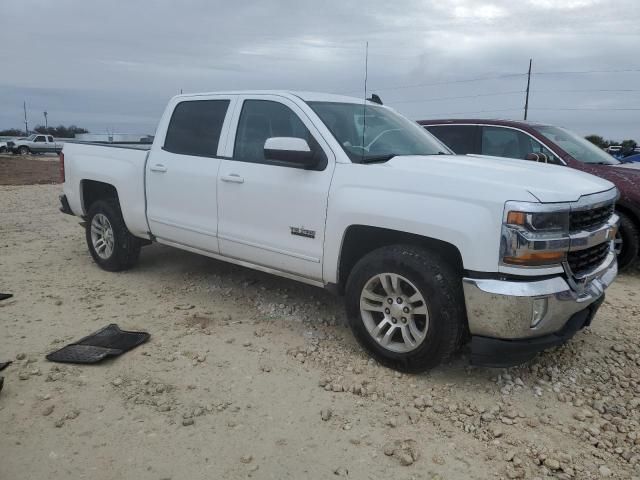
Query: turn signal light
<point x="536" y="259"/>
<point x="516" y="218"/>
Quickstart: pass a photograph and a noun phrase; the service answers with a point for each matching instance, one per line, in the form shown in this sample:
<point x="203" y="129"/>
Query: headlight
<point x="533" y="238"/>
<point x="542" y="222"/>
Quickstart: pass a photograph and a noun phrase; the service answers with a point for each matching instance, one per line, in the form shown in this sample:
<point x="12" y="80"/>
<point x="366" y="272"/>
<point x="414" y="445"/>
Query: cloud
<point x="115" y="64"/>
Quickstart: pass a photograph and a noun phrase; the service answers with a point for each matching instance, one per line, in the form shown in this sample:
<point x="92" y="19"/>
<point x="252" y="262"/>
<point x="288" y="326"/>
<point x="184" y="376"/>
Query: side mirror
<point x="537" y="157"/>
<point x="290" y="150"/>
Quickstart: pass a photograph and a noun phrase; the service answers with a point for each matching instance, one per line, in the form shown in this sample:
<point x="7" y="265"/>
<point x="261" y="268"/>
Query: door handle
<point x="232" y="178"/>
<point x="158" y="167"/>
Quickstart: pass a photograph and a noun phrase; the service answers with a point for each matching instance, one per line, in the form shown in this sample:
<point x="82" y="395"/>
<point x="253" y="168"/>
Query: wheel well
<point x="629" y="213"/>
<point x="362" y="239"/>
<point x="93" y="190"/>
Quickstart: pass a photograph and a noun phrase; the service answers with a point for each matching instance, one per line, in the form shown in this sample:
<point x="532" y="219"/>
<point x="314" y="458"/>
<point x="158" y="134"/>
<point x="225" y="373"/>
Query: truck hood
<point x="547" y="183"/>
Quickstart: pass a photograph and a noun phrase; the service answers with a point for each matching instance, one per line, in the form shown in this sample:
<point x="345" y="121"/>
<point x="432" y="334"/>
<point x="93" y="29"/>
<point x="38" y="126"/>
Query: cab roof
<point x="305" y="96"/>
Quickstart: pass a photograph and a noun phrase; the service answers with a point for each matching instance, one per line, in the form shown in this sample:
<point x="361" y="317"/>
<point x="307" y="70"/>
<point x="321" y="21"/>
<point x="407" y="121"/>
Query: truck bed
<point x="118" y="165"/>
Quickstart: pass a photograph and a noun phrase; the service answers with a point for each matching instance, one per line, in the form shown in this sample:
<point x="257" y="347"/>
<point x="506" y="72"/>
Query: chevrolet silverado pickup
<point x="429" y="249"/>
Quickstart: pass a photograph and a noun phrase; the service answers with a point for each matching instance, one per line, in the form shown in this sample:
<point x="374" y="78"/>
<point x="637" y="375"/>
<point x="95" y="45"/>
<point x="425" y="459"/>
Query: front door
<point x="272" y="214"/>
<point x="181" y="175"/>
<point x="40" y="144"/>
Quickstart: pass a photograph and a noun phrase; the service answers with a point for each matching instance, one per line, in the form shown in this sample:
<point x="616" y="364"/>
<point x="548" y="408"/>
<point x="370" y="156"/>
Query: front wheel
<point x="627" y="241"/>
<point x="110" y="243"/>
<point x="24" y="150"/>
<point x="405" y="306"/>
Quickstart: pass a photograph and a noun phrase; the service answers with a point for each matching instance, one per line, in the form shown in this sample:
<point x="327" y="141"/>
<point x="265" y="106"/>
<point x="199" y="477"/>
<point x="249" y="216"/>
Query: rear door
<point x="462" y="139"/>
<point x="272" y="214"/>
<point x="182" y="170"/>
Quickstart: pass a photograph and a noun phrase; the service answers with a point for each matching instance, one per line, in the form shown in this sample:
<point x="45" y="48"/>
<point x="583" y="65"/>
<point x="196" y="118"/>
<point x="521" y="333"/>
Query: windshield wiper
<point x="378" y="158"/>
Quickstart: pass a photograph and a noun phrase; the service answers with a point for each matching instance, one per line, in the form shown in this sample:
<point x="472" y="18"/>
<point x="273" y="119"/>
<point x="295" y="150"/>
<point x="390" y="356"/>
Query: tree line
<point x="60" y="131"/>
<point x="627" y="145"/>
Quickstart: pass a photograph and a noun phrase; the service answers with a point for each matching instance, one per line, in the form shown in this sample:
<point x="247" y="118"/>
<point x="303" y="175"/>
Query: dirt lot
<point x="250" y="375"/>
<point x="28" y="169"/>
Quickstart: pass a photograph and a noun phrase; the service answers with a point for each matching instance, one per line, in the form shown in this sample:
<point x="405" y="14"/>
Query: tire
<point x="3" y="149"/>
<point x="124" y="248"/>
<point x="23" y="150"/>
<point x="627" y="242"/>
<point x="441" y="290"/>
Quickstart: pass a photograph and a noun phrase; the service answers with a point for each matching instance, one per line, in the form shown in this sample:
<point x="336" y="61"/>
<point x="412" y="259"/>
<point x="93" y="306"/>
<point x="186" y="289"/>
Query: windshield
<point x="369" y="133"/>
<point x="579" y="148"/>
<point x="31" y="137"/>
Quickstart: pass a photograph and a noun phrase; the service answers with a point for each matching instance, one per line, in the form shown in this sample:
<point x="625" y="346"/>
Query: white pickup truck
<point x="34" y="144"/>
<point x="430" y="249"/>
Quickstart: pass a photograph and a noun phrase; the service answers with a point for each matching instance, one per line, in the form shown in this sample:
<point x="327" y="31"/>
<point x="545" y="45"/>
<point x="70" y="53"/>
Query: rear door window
<point x="195" y="127"/>
<point x="462" y="139"/>
<point x="50" y="139"/>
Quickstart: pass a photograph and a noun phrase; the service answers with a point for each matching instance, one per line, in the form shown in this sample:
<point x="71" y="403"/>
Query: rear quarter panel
<point x="123" y="168"/>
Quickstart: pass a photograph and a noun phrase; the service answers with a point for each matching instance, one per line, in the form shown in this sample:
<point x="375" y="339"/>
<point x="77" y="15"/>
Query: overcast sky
<point x="112" y="65"/>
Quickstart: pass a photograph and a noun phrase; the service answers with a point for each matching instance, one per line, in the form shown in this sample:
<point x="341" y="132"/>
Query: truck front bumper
<point x="510" y="321"/>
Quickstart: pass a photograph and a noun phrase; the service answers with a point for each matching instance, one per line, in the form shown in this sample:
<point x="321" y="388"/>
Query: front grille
<point x="590" y="219"/>
<point x="582" y="261"/>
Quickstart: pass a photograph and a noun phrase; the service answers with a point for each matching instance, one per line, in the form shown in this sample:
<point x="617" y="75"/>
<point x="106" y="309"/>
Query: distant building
<point x="113" y="138"/>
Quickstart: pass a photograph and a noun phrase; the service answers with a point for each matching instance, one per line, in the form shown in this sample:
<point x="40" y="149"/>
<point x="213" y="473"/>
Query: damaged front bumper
<point x="512" y="320"/>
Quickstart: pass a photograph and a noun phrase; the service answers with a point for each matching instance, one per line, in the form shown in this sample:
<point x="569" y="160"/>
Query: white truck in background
<point x="36" y="143"/>
<point x="430" y="249"/>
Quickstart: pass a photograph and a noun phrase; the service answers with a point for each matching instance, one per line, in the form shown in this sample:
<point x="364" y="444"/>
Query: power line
<point x="496" y="77"/>
<point x="445" y="82"/>
<point x="590" y="90"/>
<point x="580" y="72"/>
<point x="588" y="109"/>
<point x="437" y="99"/>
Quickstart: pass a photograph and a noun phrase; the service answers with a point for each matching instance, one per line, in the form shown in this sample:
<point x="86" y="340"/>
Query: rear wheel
<point x="627" y="241"/>
<point x="110" y="243"/>
<point x="405" y="306"/>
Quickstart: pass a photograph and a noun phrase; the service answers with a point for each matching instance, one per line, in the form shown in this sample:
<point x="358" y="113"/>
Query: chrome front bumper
<point x="514" y="310"/>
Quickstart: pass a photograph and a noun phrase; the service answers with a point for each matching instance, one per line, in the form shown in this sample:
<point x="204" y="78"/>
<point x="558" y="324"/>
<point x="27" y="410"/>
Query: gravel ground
<point x="250" y="375"/>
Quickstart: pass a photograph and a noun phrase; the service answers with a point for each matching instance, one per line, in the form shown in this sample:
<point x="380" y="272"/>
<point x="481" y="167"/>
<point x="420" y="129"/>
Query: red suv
<point x="538" y="142"/>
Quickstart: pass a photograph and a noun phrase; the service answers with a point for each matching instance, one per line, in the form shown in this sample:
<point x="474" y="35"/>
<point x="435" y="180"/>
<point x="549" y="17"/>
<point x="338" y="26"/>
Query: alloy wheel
<point x="102" y="236"/>
<point x="394" y="312"/>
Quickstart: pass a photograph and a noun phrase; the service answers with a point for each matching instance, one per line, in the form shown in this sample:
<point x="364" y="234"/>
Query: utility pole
<point x="526" y="102"/>
<point x="26" y="125"/>
<point x="46" y="125"/>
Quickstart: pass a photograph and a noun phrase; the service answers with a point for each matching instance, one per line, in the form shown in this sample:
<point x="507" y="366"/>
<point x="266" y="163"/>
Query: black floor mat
<point x="109" y="341"/>
<point x="4" y="365"/>
<point x="4" y="296"/>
